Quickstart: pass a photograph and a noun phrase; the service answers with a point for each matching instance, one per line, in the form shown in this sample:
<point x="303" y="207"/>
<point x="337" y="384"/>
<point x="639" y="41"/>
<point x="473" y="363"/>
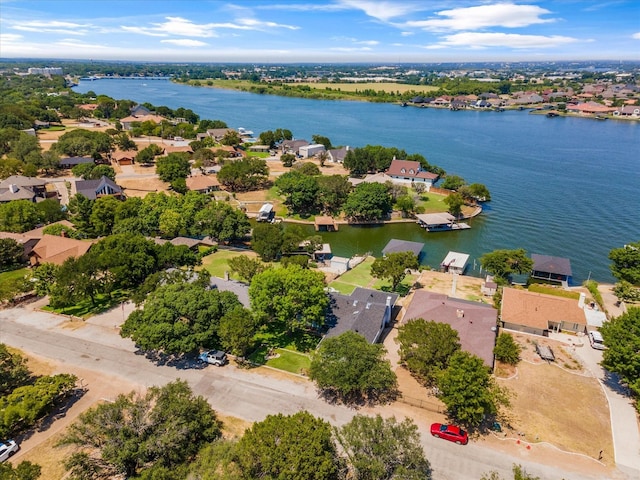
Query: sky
<point x="323" y="31"/>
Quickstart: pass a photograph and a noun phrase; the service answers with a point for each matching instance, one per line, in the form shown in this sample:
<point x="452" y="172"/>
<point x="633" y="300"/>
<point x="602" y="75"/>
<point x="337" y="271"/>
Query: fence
<point x="425" y="403"/>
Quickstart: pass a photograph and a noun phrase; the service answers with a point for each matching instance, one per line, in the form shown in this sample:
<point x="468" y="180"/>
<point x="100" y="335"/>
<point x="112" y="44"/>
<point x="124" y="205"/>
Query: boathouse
<point x="325" y="223"/>
<point x="551" y="269"/>
<point x="454" y="262"/>
<point x="439" y="222"/>
<point x="397" y="246"/>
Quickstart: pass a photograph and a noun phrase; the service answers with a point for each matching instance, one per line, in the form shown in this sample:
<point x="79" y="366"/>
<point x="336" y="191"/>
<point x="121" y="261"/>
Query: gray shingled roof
<point x="239" y="288"/>
<point x="91" y="188"/>
<point x="395" y="246"/>
<point x="557" y="265"/>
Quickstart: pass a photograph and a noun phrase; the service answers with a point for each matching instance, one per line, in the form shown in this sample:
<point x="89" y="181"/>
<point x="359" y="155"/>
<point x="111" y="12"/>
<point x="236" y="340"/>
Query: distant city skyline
<point x="325" y="31"/>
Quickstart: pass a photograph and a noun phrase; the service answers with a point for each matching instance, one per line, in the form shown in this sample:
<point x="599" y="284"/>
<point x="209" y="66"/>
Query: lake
<point x="567" y="187"/>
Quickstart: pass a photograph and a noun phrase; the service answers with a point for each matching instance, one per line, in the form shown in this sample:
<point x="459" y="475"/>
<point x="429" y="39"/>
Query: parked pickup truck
<point x="214" y="357"/>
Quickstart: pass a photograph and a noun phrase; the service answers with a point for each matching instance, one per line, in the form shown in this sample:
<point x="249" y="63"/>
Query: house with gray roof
<point x="553" y="269"/>
<point x="239" y="288"/>
<point x="396" y="246"/>
<point x="336" y="155"/>
<point x="101" y="187"/>
<point x="18" y="187"/>
<point x="365" y="311"/>
<point x="70" y="162"/>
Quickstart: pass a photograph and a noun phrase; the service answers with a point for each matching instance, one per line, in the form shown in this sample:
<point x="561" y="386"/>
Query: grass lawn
<point x="217" y="263"/>
<point x="550" y="290"/>
<point x="13" y="275"/>
<point x="85" y="308"/>
<point x="284" y="350"/>
<point x="282" y="359"/>
<point x="360" y="276"/>
<point x="432" y="202"/>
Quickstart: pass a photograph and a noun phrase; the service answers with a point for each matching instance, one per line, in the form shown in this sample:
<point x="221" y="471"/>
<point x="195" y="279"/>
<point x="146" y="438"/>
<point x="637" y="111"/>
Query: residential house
<point x="627" y="111"/>
<point x="554" y="269"/>
<point x="365" y="311"/>
<point x="539" y="314"/>
<point x="139" y="110"/>
<point x="128" y="122"/>
<point x="395" y="246"/>
<point x="308" y="151"/>
<point x="203" y="183"/>
<point x="218" y="133"/>
<point x="127" y="157"/>
<point x="18" y="187"/>
<point x="31" y="238"/>
<point x="336" y="155"/>
<point x="293" y="146"/>
<point x="454" y="262"/>
<point x="475" y="322"/>
<point x="70" y="162"/>
<point x="101" y="187"/>
<point x="409" y="172"/>
<point x="240" y="289"/>
<point x="55" y="249"/>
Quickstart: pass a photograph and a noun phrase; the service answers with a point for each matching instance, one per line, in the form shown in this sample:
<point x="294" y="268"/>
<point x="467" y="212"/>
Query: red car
<point x="450" y="432"/>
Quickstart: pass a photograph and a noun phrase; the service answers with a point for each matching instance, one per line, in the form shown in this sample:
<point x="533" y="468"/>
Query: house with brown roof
<point x="218" y="133"/>
<point x="126" y="157"/>
<point x="54" y="249"/>
<point x="127" y="122"/>
<point x="203" y="183"/>
<point x="409" y="172"/>
<point x="537" y="313"/>
<point x="475" y="322"/>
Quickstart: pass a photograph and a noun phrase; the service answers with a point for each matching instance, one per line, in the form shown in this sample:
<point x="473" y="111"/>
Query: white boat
<point x="244" y="132"/>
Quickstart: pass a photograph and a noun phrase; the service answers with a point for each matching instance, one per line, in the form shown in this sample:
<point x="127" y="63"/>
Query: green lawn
<point x="432" y="203"/>
<point x="85" y="308"/>
<point x="290" y="347"/>
<point x="548" y="290"/>
<point x="14" y="274"/>
<point x="360" y="276"/>
<point x="217" y="263"/>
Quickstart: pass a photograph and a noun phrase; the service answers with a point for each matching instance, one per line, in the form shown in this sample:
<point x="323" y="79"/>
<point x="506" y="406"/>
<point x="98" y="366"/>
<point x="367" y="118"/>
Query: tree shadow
<point x="179" y="362"/>
<point x="615" y="383"/>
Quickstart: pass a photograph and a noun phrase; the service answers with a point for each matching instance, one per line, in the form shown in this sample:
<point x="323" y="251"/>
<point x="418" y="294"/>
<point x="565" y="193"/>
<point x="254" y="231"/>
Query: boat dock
<point x="440" y="222"/>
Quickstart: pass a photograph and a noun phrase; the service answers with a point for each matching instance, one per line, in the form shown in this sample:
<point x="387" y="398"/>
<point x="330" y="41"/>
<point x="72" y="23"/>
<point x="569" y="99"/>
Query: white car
<point x="596" y="341"/>
<point x="7" y="449"/>
<point x="214" y="357"/>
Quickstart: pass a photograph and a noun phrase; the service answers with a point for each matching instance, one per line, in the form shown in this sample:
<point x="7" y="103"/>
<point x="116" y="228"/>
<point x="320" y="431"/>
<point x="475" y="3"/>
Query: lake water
<point x="567" y="187"/>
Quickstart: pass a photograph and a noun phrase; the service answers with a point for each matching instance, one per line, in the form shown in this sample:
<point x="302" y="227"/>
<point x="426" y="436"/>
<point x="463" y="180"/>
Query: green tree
<point x="287" y="159"/>
<point x="626" y="263"/>
<point x="307" y="168"/>
<point x="13" y="371"/>
<point x="504" y="263"/>
<point x="455" y="202"/>
<point x="147" y="155"/>
<point x="220" y="221"/>
<point x="78" y="279"/>
<point x="124" y="142"/>
<point x="426" y="347"/>
<point x="18" y="216"/>
<point x="11" y="253"/>
<point x="23" y="471"/>
<point x="622" y="338"/>
<point x="267" y="241"/>
<point x="368" y="201"/>
<point x="179" y="318"/>
<point x="378" y="448"/>
<point x="480" y="192"/>
<point x="468" y="390"/>
<point x="626" y="292"/>
<point x="406" y="204"/>
<point x="237" y="330"/>
<point x="292" y="447"/>
<point x="50" y="211"/>
<point x="300" y="191"/>
<point x="350" y="369"/>
<point x="519" y="473"/>
<point x="165" y="427"/>
<point x="103" y="214"/>
<point x="292" y="296"/>
<point x="44" y="276"/>
<point x="322" y="140"/>
<point x="244" y="175"/>
<point x="394" y="266"/>
<point x="231" y="138"/>
<point x="506" y="349"/>
<point x="334" y="190"/>
<point x="246" y="267"/>
<point x="453" y="182"/>
<point x="173" y="167"/>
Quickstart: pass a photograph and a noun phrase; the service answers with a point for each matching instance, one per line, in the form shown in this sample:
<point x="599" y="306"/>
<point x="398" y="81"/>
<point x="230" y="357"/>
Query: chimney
<point x="13" y="188"/>
<point x="581" y="301"/>
<point x="388" y="304"/>
<point x="459" y="313"/>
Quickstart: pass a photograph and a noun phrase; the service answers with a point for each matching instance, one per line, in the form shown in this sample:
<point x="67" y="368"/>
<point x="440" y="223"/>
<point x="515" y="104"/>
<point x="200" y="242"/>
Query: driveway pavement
<point x="248" y="394"/>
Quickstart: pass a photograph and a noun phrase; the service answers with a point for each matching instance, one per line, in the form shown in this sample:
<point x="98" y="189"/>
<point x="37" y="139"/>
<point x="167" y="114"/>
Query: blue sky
<point x="279" y="31"/>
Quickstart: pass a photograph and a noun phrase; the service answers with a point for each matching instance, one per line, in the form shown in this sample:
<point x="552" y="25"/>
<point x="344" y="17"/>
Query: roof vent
<point x="368" y="305"/>
<point x="460" y="313"/>
<point x="355" y="303"/>
<point x="13" y="188"/>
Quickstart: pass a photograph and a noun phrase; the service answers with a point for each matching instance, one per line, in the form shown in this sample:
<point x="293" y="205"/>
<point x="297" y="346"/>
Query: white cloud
<point x="184" y="42"/>
<point x="258" y="24"/>
<point x="143" y="31"/>
<point x="505" y="15"/>
<point x="72" y="42"/>
<point x="66" y="28"/>
<point x="350" y="49"/>
<point x="510" y="40"/>
<point x="186" y="28"/>
<point x="406" y="34"/>
<point x="10" y="38"/>
<point x="383" y="10"/>
<point x="636" y="36"/>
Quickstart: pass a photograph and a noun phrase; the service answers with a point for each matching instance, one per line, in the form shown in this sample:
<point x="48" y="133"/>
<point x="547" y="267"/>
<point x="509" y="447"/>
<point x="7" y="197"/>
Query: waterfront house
<point x="537" y="313"/>
<point x="475" y="322"/>
<point x="336" y="155"/>
<point x="218" y="133"/>
<point x="101" y="187"/>
<point x="407" y="172"/>
<point x="439" y="222"/>
<point x="627" y="111"/>
<point x="55" y="249"/>
<point x="454" y="262"/>
<point x="292" y="146"/>
<point x="365" y="311"/>
<point x="552" y="269"/>
<point x="203" y="183"/>
<point x="396" y="246"/>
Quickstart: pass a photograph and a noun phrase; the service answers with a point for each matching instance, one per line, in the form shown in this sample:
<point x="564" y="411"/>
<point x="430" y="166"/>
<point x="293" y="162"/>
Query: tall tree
<point x="350" y="369"/>
<point x="504" y="263"/>
<point x="173" y="167"/>
<point x="18" y="216"/>
<point x="468" y="390"/>
<point x="378" y="449"/>
<point x="244" y="175"/>
<point x="394" y="266"/>
<point x="506" y="349"/>
<point x="13" y="371"/>
<point x="455" y="202"/>
<point x="626" y="263"/>
<point x="295" y="447"/>
<point x="267" y="241"/>
<point x="237" y="330"/>
<point x="622" y="338"/>
<point x="246" y="267"/>
<point x="426" y="347"/>
<point x="166" y="427"/>
<point x="369" y="201"/>
<point x="11" y="253"/>
<point x="292" y="296"/>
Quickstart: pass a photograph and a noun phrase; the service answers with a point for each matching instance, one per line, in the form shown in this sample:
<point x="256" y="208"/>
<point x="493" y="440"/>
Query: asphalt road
<point x="237" y="392"/>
